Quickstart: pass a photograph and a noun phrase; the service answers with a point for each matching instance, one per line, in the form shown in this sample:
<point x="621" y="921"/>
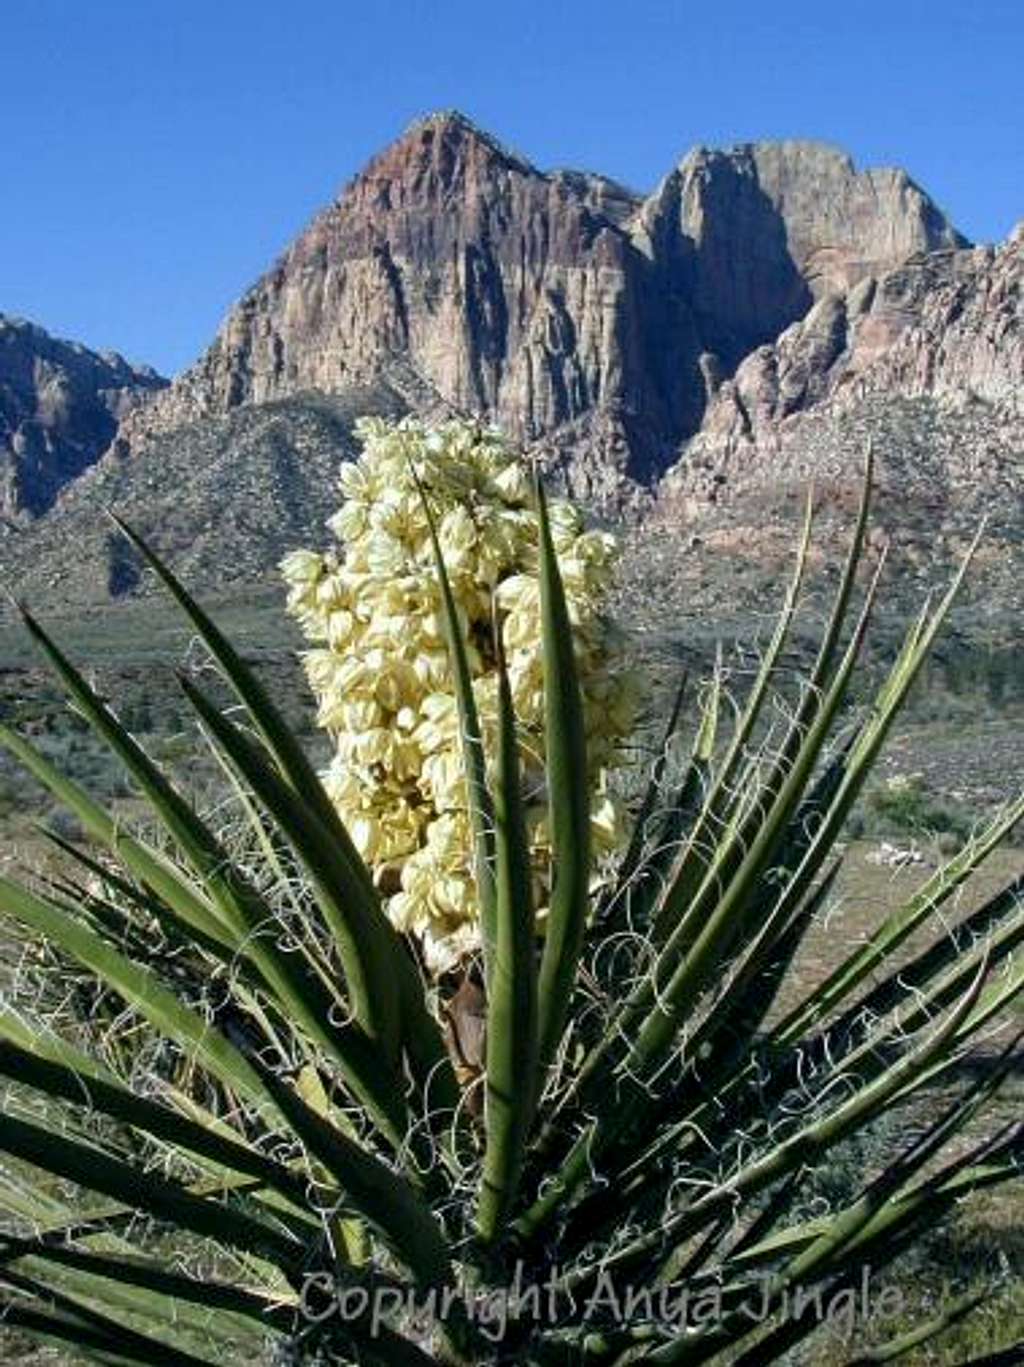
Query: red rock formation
<point x="947" y="325"/>
<point x="557" y="305"/>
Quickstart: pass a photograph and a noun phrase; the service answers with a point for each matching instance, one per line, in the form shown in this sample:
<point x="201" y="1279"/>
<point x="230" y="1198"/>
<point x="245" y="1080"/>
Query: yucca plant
<point x="303" y="1180"/>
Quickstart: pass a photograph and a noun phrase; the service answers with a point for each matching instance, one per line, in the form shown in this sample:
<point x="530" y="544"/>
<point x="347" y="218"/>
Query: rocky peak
<point x="449" y="266"/>
<point x="60" y="404"/>
<point x="840" y="221"/>
<point x="558" y="304"/>
<point x="438" y="153"/>
<point x="944" y="326"/>
<point x="754" y="234"/>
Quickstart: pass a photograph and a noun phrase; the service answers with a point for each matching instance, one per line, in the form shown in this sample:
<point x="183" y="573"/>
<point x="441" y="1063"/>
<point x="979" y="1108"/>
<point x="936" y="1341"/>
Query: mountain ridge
<point x="546" y="299"/>
<point x="661" y="354"/>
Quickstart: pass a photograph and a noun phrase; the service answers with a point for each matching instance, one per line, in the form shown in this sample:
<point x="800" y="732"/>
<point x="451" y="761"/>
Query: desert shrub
<point x="905" y="805"/>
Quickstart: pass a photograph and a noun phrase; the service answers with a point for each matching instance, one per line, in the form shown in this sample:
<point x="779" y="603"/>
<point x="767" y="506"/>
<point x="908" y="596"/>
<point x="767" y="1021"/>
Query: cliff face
<point x="558" y="305"/>
<point x="752" y="236"/>
<point x="449" y="267"/>
<point x="753" y="323"/>
<point x="947" y="325"/>
<point x="59" y="408"/>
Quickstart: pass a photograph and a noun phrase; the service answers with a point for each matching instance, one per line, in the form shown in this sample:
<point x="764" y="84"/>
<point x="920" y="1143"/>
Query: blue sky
<point x="158" y="156"/>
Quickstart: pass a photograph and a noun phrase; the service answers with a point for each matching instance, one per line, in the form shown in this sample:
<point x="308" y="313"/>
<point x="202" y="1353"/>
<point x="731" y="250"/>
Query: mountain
<point x="223" y="498"/>
<point x="59" y="408"/>
<point x="751" y="322"/>
<point x="559" y="305"/>
<point x="925" y="364"/>
<point x="946" y="323"/>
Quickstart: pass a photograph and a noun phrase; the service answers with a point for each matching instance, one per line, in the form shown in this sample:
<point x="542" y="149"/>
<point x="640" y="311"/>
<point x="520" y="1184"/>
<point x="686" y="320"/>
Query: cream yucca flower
<point x="379" y="667"/>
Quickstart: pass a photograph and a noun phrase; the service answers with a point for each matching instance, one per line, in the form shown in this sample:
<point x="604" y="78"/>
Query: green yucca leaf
<point x="277" y="735"/>
<point x="897" y="1223"/>
<point x="911" y="983"/>
<point x="751" y="993"/>
<point x="898" y="1079"/>
<point x="233" y="1306"/>
<point x="568" y="799"/>
<point x="997" y="995"/>
<point x="150" y="1275"/>
<point x="122" y="1285"/>
<point x="862" y="755"/>
<point x="390" y="1204"/>
<point x="152" y="869"/>
<point x="834" y="1058"/>
<point x="36" y="1037"/>
<point x="240" y="906"/>
<point x="105" y="1226"/>
<point x="103" y="1339"/>
<point x="396" y="996"/>
<point x="138" y="986"/>
<point x="760" y="965"/>
<point x="637" y="891"/>
<point x="998" y="916"/>
<point x="829" y="647"/>
<point x="133" y="935"/>
<point x="693" y="862"/>
<point x="921" y="1150"/>
<point x="56" y="1079"/>
<point x="678" y="1138"/>
<point x="957" y="1309"/>
<point x="511" y="1081"/>
<point x="810" y="1141"/>
<point x="913" y="1005"/>
<point x="669" y="998"/>
<point x="350" y="919"/>
<point x="844" y="1228"/>
<point x="189" y="832"/>
<point x="680" y="903"/>
<point x="898" y="926"/>
<point x="282" y="871"/>
<point x="77" y="1161"/>
<point x="396" y="999"/>
<point x="647" y="1025"/>
<point x="364" y="1067"/>
<point x="720" y="1040"/>
<point x="687" y="963"/>
<point x="615" y="908"/>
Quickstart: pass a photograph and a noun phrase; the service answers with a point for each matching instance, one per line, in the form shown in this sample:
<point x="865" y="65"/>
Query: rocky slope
<point x="947" y="325"/>
<point x="59" y="408"/>
<point x="559" y="305"/>
<point x="222" y="499"/>
<point x="742" y="242"/>
<point x="924" y="363"/>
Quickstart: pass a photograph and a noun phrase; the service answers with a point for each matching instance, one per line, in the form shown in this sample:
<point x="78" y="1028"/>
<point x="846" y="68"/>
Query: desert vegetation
<point x="609" y="1112"/>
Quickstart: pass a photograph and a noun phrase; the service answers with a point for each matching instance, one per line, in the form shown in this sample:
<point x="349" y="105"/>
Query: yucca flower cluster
<point x="380" y="667"/>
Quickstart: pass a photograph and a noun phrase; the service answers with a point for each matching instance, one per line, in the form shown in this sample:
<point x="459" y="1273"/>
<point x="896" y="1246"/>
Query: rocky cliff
<point x="453" y="270"/>
<point x="560" y="305"/>
<point x="946" y="325"/>
<point x="743" y="241"/>
<point x="924" y="363"/>
<point x="59" y="408"/>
